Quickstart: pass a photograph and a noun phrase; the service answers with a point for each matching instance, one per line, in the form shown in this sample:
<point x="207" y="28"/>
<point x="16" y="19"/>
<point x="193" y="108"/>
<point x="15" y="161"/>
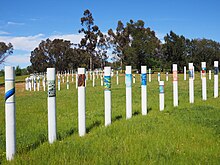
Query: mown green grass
<point x="188" y="134"/>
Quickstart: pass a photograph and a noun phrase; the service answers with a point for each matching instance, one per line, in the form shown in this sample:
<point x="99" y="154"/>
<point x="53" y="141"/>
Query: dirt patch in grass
<point x="19" y="87"/>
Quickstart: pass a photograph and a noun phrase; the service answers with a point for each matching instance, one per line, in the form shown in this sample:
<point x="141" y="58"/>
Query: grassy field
<point x="188" y="134"/>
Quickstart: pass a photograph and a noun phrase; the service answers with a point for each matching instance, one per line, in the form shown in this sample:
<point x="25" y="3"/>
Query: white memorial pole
<point x="144" y="89"/>
<point x="35" y="83"/>
<point x="167" y="76"/>
<point x="85" y="79"/>
<point x="51" y="82"/>
<point x="58" y="82"/>
<point x="76" y="80"/>
<point x="175" y="86"/>
<point x="101" y="76"/>
<point x="90" y="75"/>
<point x="93" y="79"/>
<point x="128" y="92"/>
<point x="134" y="77"/>
<point x="63" y="78"/>
<point x="72" y="77"/>
<point x="26" y="84"/>
<point x="216" y="70"/>
<point x="107" y="92"/>
<point x="38" y="83"/>
<point x="149" y="74"/>
<point x="81" y="102"/>
<point x="117" y="77"/>
<point x="29" y="83"/>
<point x="44" y="82"/>
<point x="97" y="74"/>
<point x="32" y="82"/>
<point x="67" y="81"/>
<point x="210" y="74"/>
<point x="191" y="83"/>
<point x="112" y="73"/>
<point x="10" y="112"/>
<point x="42" y="79"/>
<point x="204" y="90"/>
<point x="158" y="77"/>
<point x="201" y="75"/>
<point x="161" y="95"/>
<point x="194" y="76"/>
<point x="184" y="70"/>
<point x="62" y="75"/>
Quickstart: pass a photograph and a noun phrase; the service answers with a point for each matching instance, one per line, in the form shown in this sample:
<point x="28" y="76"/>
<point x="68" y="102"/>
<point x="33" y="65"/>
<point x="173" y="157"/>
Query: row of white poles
<point x="184" y="75"/>
<point x="51" y="81"/>
<point x="32" y="83"/>
<point x="191" y="84"/>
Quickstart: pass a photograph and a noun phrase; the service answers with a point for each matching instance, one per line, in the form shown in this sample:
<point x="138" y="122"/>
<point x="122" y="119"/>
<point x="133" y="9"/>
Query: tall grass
<point x="187" y="134"/>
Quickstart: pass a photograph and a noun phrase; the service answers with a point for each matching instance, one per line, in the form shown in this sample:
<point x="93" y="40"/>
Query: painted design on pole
<point x="81" y="80"/>
<point x="175" y="77"/>
<point x="144" y="79"/>
<point x="128" y="80"/>
<point x="107" y="82"/>
<point x="191" y="73"/>
<point x="203" y="71"/>
<point x="51" y="88"/>
<point x="216" y="70"/>
<point x="161" y="95"/>
<point x="9" y="95"/>
<point x="161" y="89"/>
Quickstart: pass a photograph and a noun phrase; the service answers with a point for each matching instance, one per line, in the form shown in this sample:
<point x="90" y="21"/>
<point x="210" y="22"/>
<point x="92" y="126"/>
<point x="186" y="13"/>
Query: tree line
<point x="131" y="43"/>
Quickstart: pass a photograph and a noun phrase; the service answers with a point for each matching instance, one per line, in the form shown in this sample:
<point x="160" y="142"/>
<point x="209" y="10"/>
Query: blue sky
<point x="25" y="23"/>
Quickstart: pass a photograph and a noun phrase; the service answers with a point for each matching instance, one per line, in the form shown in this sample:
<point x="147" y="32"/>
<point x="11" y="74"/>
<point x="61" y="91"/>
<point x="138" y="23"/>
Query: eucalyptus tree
<point x="90" y="39"/>
<point x="5" y="51"/>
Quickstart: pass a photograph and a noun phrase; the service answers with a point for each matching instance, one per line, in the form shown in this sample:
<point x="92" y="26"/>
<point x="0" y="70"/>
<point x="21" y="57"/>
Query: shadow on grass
<point x="119" y="117"/>
<point x="41" y="139"/>
<point x="67" y="134"/>
<point x="136" y="113"/>
<point x="93" y="125"/>
<point x="149" y="109"/>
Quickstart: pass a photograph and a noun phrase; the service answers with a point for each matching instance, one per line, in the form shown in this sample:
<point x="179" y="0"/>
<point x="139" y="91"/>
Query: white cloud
<point x="15" y="23"/>
<point x="34" y="19"/>
<point x="4" y="33"/>
<point x="23" y="43"/>
<point x="28" y="43"/>
<point x="74" y="38"/>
